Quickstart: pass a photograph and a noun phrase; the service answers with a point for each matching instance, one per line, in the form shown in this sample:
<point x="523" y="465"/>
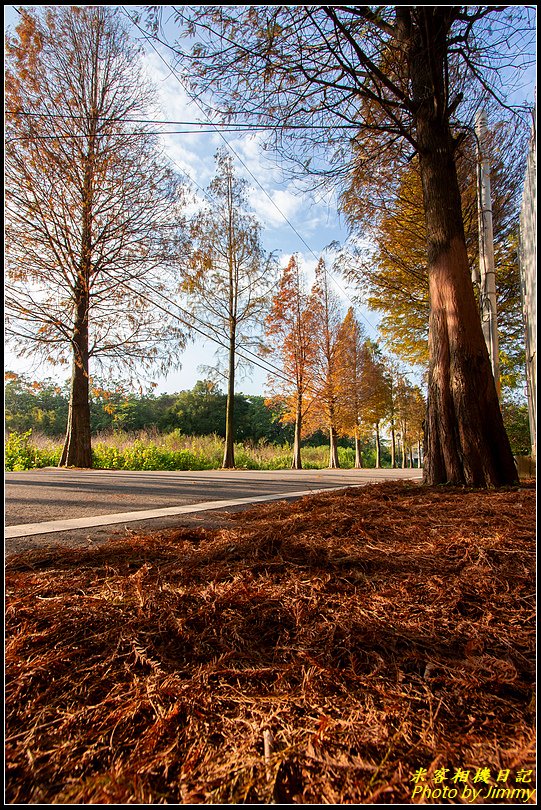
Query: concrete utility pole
<point x="528" y="280"/>
<point x="487" y="275"/>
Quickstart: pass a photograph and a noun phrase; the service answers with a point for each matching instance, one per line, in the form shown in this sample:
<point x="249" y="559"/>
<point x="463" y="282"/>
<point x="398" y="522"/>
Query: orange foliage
<point x="290" y="328"/>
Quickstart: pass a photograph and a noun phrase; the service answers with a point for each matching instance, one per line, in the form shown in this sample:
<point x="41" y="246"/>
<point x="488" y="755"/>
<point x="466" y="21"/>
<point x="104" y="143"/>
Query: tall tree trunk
<point x="419" y="451"/>
<point x="333" y="449"/>
<point x="358" y="452"/>
<point x="297" y="463"/>
<point x="229" y="450"/>
<point x="465" y="436"/>
<point x="378" y="448"/>
<point x="77" y="450"/>
<point x="393" y="447"/>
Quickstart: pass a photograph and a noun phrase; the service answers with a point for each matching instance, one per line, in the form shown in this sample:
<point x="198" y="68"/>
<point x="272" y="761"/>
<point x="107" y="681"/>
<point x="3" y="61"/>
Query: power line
<point x="216" y="128"/>
<point x="239" y="126"/>
<point x="173" y="72"/>
<point x="270" y="368"/>
<point x="138" y="134"/>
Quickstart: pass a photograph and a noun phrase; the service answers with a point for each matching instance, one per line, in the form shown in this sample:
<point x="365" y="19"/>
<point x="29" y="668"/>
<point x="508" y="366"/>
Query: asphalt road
<point x="50" y="504"/>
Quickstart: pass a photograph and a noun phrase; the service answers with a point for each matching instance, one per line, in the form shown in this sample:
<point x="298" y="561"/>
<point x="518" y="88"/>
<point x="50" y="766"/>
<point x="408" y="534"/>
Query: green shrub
<point x="346" y="457"/>
<point x="22" y="454"/>
<point x="48" y="456"/>
<point x="18" y="454"/>
<point x="148" y="450"/>
<point x="106" y="457"/>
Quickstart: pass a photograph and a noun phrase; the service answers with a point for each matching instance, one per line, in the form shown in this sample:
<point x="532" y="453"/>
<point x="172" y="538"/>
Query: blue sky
<point x="293" y="220"/>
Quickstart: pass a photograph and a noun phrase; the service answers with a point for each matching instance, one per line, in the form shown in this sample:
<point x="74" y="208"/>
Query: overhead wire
<point x="173" y="72"/>
<point x="241" y="126"/>
<point x="269" y="368"/>
<point x="217" y="128"/>
<point x="124" y="134"/>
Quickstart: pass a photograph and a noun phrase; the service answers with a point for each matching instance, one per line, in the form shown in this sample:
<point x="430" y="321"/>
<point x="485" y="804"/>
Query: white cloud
<point x="274" y="207"/>
<point x="289" y="212"/>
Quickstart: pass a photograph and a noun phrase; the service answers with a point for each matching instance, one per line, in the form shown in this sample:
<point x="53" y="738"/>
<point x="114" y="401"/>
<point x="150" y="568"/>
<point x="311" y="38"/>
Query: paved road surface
<point x="52" y="502"/>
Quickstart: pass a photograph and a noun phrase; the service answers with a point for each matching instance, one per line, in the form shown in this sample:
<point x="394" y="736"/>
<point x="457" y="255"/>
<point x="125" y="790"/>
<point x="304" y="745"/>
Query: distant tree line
<point x="43" y="407"/>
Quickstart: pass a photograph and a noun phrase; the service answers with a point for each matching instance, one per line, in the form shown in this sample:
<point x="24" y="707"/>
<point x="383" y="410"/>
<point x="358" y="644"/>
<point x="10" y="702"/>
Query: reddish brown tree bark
<point x="466" y="442"/>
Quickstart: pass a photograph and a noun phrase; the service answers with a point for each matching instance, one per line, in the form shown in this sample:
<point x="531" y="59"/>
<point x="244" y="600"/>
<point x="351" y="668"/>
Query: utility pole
<point x="487" y="275"/>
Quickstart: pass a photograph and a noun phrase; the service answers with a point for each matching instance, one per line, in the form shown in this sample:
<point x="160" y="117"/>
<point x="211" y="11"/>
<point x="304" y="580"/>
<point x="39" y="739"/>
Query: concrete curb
<point x="48" y="527"/>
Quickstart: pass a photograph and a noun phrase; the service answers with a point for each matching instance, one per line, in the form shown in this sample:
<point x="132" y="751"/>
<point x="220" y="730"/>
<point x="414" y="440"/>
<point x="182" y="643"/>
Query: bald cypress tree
<point x="371" y="87"/>
<point x="93" y="213"/>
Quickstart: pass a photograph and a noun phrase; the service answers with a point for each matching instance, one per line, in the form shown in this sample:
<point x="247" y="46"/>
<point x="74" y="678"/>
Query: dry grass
<point x="315" y="652"/>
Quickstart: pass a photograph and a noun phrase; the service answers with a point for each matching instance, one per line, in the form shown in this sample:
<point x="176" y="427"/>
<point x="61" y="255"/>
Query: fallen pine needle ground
<point x="374" y="645"/>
